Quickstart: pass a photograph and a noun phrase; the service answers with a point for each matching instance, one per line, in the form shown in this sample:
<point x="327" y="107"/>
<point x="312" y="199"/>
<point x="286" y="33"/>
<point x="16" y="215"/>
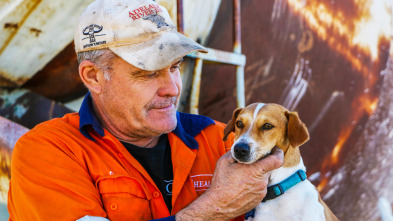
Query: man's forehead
<point x="138" y="71"/>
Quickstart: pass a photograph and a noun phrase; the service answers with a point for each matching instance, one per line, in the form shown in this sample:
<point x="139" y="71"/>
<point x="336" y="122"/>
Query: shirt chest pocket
<point x="124" y="198"/>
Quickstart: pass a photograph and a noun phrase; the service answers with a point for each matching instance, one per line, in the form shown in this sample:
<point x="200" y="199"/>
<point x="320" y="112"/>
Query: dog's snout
<point x="242" y="151"/>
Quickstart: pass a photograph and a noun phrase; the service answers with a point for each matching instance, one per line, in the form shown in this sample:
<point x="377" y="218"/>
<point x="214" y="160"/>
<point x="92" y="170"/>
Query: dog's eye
<point x="239" y="124"/>
<point x="267" y="126"/>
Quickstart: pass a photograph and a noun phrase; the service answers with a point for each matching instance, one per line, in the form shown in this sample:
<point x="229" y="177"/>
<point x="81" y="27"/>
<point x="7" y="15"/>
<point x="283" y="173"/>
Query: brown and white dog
<point x="258" y="129"/>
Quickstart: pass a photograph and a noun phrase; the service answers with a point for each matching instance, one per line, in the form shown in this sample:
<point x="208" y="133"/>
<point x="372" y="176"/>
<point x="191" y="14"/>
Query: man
<point x="127" y="154"/>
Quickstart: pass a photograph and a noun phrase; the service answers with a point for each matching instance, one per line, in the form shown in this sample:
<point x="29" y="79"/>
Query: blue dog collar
<point x="280" y="188"/>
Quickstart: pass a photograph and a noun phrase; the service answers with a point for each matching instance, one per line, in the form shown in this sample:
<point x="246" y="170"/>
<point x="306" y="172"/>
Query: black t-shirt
<point x="157" y="162"/>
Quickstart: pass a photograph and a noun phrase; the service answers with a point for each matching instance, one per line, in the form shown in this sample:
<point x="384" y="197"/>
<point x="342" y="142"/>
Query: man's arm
<point x="235" y="189"/>
<point x="49" y="183"/>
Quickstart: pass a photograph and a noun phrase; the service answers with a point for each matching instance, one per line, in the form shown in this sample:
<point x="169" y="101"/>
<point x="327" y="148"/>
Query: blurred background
<point x="329" y="60"/>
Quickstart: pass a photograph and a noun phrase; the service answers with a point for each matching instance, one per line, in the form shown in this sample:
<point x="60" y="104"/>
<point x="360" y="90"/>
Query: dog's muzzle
<point x="241" y="152"/>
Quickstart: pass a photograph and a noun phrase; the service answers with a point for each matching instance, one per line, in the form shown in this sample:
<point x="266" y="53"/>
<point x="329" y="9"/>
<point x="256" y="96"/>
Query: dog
<point x="258" y="129"/>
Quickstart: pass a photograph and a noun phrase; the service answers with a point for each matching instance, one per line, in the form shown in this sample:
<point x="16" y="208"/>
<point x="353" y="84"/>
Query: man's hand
<point x="235" y="188"/>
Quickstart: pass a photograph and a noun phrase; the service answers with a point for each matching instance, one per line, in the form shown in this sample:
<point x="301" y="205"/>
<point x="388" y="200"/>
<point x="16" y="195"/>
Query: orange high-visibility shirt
<point x="57" y="173"/>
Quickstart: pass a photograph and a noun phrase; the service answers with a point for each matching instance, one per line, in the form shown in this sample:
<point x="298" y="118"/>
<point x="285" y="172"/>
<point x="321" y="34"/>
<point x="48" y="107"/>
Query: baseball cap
<point x="141" y="32"/>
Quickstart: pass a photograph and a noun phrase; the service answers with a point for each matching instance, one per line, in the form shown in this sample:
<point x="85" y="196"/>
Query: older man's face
<point x="141" y="103"/>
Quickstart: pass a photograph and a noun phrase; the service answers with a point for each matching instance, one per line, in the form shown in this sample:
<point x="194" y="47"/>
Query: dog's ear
<point x="296" y="131"/>
<point x="231" y="124"/>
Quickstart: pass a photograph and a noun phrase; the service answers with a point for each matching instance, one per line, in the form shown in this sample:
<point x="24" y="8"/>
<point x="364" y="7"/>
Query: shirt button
<point x="121" y="155"/>
<point x="156" y="194"/>
<point x="113" y="206"/>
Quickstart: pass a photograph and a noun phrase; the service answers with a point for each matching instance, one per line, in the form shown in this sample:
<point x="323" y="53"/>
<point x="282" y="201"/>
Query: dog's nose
<point x="242" y="151"/>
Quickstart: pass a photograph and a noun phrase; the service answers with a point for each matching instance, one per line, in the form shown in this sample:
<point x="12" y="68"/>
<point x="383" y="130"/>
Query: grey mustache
<point x="163" y="103"/>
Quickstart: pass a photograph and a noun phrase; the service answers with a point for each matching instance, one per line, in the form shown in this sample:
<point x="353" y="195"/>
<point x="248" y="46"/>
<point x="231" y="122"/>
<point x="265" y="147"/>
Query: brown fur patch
<point x="297" y="131"/>
<point x="291" y="157"/>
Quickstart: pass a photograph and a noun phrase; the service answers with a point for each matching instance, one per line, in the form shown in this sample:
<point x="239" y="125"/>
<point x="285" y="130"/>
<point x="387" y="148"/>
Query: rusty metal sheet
<point x="33" y="32"/>
<point x="59" y="80"/>
<point x="28" y="108"/>
<point x="328" y="60"/>
<point x="366" y="174"/>
<point x="9" y="134"/>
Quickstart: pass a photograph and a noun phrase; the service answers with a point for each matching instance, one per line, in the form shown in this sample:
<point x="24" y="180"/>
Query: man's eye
<point x="173" y="68"/>
<point x="152" y="74"/>
<point x="239" y="124"/>
<point x="267" y="126"/>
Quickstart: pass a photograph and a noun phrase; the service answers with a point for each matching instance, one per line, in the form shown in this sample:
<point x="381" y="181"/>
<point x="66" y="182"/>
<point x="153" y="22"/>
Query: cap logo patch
<point x="144" y="11"/>
<point x="91" y="31"/>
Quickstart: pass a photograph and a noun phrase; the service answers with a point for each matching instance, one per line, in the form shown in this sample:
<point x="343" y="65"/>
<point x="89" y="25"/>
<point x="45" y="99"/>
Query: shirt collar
<point x="188" y="125"/>
<point x="89" y="119"/>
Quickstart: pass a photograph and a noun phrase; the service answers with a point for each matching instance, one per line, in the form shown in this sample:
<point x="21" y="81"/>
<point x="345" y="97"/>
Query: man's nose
<point x="169" y="84"/>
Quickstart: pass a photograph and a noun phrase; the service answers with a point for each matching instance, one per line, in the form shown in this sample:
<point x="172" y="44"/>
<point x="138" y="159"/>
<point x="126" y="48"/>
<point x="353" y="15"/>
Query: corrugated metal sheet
<point x="32" y="33"/>
<point x="27" y="108"/>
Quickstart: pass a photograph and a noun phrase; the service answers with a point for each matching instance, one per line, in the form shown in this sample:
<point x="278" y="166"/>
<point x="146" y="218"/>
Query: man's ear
<point x="296" y="130"/>
<point x="231" y="124"/>
<point x="91" y="76"/>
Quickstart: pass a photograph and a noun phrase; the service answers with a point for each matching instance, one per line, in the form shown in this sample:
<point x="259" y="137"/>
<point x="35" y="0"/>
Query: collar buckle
<point x="280" y="188"/>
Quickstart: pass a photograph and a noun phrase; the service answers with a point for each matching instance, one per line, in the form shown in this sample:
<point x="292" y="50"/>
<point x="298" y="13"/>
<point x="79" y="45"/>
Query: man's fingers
<point x="278" y="154"/>
<point x="273" y="161"/>
<point x="227" y="158"/>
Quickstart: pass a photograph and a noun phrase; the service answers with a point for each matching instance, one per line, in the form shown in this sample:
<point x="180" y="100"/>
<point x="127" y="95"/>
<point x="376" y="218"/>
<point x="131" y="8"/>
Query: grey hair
<point x="102" y="58"/>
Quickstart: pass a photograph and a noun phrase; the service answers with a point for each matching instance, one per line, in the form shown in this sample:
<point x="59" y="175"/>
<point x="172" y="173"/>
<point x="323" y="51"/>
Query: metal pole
<point x="391" y="35"/>
<point x="237" y="48"/>
<point x="180" y="23"/>
<point x="196" y="86"/>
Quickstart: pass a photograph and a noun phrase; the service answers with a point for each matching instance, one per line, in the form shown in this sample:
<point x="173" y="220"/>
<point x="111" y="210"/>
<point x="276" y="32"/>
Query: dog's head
<point x="260" y="127"/>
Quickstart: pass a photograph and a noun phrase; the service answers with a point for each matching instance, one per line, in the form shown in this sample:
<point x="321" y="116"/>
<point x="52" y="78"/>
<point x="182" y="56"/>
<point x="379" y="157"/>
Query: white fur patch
<point x="299" y="203"/>
<point x="259" y="106"/>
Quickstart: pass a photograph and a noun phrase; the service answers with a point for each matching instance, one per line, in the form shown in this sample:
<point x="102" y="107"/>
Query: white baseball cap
<point x="141" y="32"/>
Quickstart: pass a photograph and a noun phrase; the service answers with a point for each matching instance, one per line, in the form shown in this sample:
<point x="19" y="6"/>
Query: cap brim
<point x="158" y="53"/>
